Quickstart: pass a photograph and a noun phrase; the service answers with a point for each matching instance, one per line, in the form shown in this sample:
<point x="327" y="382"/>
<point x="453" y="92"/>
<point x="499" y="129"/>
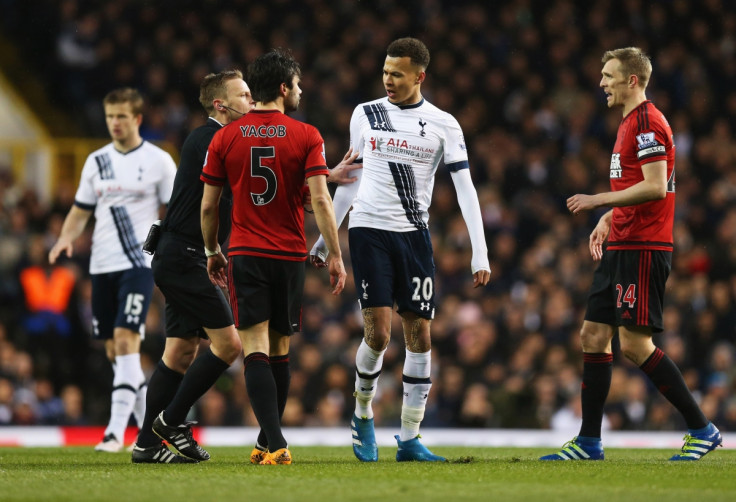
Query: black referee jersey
<point x="183" y="213"/>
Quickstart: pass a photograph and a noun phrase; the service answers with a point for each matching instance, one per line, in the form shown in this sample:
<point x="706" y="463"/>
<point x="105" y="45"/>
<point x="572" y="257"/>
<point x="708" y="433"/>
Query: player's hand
<point x="317" y="261"/>
<point x="337" y="275"/>
<point x="216" y="269"/>
<point x="318" y="254"/>
<point x="597" y="238"/>
<point x="60" y="246"/>
<point x="340" y="174"/>
<point x="581" y="202"/>
<point x="481" y="278"/>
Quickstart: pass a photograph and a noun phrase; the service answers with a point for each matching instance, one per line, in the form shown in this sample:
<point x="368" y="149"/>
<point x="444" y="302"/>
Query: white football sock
<point x="417" y="368"/>
<point x="368" y="363"/>
<point x="125" y="384"/>
<point x="139" y="409"/>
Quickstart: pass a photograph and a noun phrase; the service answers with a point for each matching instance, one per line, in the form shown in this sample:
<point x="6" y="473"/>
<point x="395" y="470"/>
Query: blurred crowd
<point x="521" y="76"/>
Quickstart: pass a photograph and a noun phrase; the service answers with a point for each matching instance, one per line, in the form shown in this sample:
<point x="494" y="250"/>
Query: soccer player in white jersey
<point x="124" y="184"/>
<point x="401" y="138"/>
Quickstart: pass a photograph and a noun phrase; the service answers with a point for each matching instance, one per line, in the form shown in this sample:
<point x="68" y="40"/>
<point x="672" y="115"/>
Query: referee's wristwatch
<point x="209" y="253"/>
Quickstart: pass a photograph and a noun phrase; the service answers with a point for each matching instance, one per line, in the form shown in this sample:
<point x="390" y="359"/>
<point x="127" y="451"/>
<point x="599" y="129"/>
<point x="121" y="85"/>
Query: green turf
<point x="333" y="474"/>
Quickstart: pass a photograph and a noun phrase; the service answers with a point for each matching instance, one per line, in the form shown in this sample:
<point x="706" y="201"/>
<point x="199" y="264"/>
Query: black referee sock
<point x="282" y="377"/>
<point x="161" y="390"/>
<point x="200" y="376"/>
<point x="666" y="376"/>
<point x="261" y="386"/>
<point x="597" y="371"/>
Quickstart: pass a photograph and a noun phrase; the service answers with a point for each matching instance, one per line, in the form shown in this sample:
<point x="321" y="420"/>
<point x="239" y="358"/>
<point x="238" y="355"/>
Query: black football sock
<point x="597" y="370"/>
<point x="282" y="377"/>
<point x="261" y="386"/>
<point x="161" y="390"/>
<point x="200" y="376"/>
<point x="665" y="375"/>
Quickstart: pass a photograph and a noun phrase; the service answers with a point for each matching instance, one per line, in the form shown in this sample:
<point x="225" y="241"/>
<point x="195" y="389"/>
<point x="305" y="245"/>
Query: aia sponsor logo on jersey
<point x="117" y="189"/>
<point x="616" y="165"/>
<point x="399" y="145"/>
<point x="376" y="144"/>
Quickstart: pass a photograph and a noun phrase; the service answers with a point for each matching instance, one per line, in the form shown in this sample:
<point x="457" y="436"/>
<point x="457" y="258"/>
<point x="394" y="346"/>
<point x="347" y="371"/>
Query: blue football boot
<point x="364" y="439"/>
<point x="413" y="450"/>
<point x="697" y="445"/>
<point x="579" y="448"/>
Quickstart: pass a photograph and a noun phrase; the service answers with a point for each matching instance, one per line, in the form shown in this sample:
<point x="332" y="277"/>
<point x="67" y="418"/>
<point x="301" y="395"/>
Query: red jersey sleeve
<point x="316" y="160"/>
<point x="652" y="136"/>
<point x="213" y="171"/>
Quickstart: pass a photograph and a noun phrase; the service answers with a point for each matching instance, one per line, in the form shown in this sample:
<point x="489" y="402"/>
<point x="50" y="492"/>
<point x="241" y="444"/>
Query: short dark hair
<point x="269" y="71"/>
<point x="634" y="61"/>
<point x="412" y="48"/>
<point x="125" y="95"/>
<point x="213" y="87"/>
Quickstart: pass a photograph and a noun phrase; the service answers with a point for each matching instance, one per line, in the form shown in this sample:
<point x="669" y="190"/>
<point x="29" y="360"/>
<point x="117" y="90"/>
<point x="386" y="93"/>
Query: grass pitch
<point x="328" y="474"/>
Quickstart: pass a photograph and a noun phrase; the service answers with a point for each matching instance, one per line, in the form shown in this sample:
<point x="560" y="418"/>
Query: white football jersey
<point x="125" y="191"/>
<point x="401" y="147"/>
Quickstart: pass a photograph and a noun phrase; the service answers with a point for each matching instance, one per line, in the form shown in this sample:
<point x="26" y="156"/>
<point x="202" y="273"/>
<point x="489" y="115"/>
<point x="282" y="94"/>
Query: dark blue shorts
<point x="628" y="289"/>
<point x="121" y="300"/>
<point x="393" y="267"/>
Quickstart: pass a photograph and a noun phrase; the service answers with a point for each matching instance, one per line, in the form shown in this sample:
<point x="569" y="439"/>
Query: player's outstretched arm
<point x="72" y="228"/>
<point x="582" y="202"/>
<point x="467" y="198"/>
<point x="325" y="215"/>
<point x="344" y="197"/>
<point x="341" y="173"/>
<point x="652" y="187"/>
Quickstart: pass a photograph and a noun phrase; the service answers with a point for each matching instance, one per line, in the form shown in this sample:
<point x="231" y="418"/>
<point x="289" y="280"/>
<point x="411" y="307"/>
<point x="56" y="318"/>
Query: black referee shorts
<point x="628" y="288"/>
<point x="192" y="301"/>
<point x="266" y="289"/>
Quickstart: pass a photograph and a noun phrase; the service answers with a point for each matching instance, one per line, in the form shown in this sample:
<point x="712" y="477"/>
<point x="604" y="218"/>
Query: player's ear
<point x="420" y="78"/>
